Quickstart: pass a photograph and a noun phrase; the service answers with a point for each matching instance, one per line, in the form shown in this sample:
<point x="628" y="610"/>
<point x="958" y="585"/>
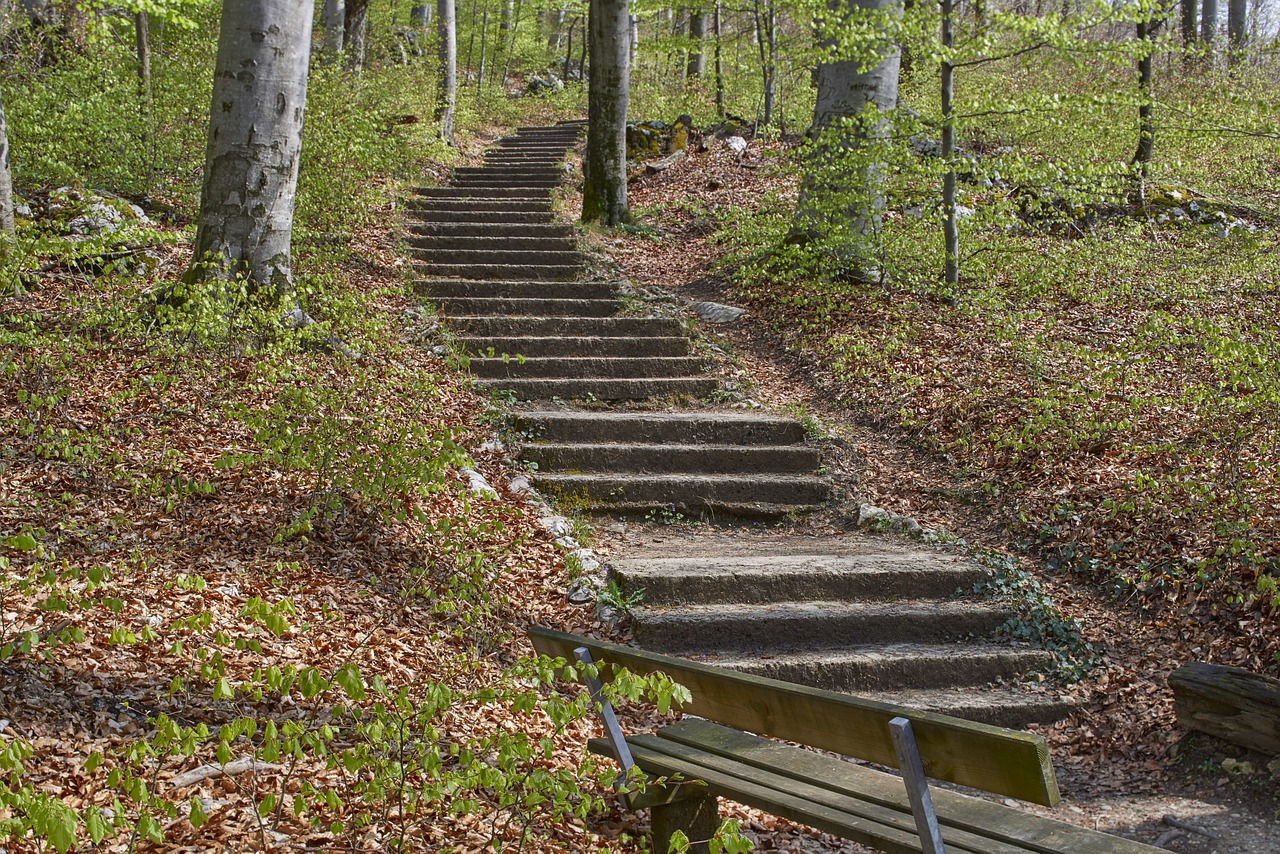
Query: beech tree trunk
<point x="1237" y="15"/>
<point x="846" y="88"/>
<point x="142" y="39"/>
<point x="1190" y="18"/>
<point x="1146" y="31"/>
<point x="1209" y="21"/>
<point x="245" y="224"/>
<point x="6" y="178"/>
<point x="357" y="32"/>
<point x="697" y="32"/>
<point x="334" y="19"/>
<point x="604" y="194"/>
<point x="447" y="98"/>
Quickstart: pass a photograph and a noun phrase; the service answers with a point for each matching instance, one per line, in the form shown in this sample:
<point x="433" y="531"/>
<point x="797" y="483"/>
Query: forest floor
<point x="1123" y="763"/>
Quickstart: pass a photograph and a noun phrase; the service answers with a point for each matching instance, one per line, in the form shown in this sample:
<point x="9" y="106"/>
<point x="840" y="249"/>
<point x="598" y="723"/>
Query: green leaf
<point x="96" y="825"/>
<point x="348" y="676"/>
<point x="197" y="815"/>
<point x="93" y="762"/>
<point x="21" y="542"/>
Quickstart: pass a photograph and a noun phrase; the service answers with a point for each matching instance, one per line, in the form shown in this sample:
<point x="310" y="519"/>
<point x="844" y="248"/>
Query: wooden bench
<point x="726" y="754"/>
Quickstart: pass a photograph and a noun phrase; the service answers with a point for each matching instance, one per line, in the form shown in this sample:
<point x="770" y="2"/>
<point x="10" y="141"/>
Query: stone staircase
<point x="508" y="280"/>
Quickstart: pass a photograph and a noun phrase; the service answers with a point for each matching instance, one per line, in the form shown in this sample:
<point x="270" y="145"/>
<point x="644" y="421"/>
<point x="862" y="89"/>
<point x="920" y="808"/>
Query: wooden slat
<point x="995" y="821"/>
<point x="810" y="802"/>
<point x="985" y="757"/>
<point x="884" y="838"/>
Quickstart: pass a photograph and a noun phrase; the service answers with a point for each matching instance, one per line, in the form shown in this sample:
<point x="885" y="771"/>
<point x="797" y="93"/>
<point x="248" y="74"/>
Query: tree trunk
<point x="511" y="45"/>
<point x="697" y="32"/>
<point x="504" y="22"/>
<point x="357" y="32"/>
<point x="484" y="36"/>
<point x="719" y="62"/>
<point x="767" y="43"/>
<point x="950" y="225"/>
<point x="6" y="179"/>
<point x="1228" y="702"/>
<point x="1190" y="19"/>
<point x="845" y="90"/>
<point x="334" y="19"/>
<point x="245" y="224"/>
<point x="1237" y="16"/>
<point x="1209" y="21"/>
<point x="604" y="194"/>
<point x="1146" y="125"/>
<point x="634" y="24"/>
<point x="142" y="38"/>
<point x="447" y="95"/>
<point x="420" y="17"/>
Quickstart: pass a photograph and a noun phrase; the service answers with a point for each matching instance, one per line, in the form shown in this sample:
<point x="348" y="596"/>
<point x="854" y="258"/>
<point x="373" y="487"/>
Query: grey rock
<point x="583" y="591"/>
<point x="870" y="515"/>
<point x="714" y="312"/>
<point x="736" y="144"/>
<point x="963" y="212"/>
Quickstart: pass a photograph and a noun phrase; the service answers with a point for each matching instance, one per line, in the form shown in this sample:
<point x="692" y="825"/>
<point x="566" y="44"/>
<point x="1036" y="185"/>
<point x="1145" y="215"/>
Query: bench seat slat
<point x="984" y="757"/>
<point x="886" y="838"/>
<point x="955" y="811"/>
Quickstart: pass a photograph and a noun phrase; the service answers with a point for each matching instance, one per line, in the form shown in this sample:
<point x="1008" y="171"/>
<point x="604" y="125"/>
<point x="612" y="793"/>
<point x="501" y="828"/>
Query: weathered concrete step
<point x="434" y="216"/>
<point x="455" y="191"/>
<point x="532" y="143"/>
<point x="689" y="493"/>
<point x="506" y="306"/>
<point x="671" y="459"/>
<point x="895" y="666"/>
<point x="516" y="257"/>
<point x="586" y="327"/>
<point x="556" y="367"/>
<point x="505" y="178"/>
<point x="808" y="626"/>
<point x="494" y="244"/>
<point x="467" y="209"/>
<point x="679" y="427"/>
<point x="491" y="229"/>
<point x="759" y="579"/>
<point x="515" y="289"/>
<point x="603" y="389"/>
<point x="578" y="346"/>
<point x="509" y="160"/>
<point x="1013" y="706"/>
<point x="532" y="272"/>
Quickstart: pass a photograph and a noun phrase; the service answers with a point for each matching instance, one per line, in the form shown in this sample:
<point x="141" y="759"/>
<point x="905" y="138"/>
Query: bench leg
<point x="697" y="814"/>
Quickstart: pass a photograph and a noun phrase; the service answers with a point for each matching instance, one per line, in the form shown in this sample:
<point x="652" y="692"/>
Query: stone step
<point x="655" y="427"/>
<point x="670" y="459"/>
<point x="468" y="209"/>
<point x="578" y="346"/>
<point x="510" y="159"/>
<point x="603" y="389"/>
<point x="568" y="327"/>
<point x="532" y="144"/>
<point x="734" y="494"/>
<point x="555" y="367"/>
<point x="809" y="626"/>
<point x="539" y="272"/>
<point x="515" y="290"/>
<point x="760" y="579"/>
<point x="437" y="243"/>
<point x="1013" y="706"/>
<point x="455" y="192"/>
<point x="894" y="666"/>
<point x="555" y="172"/>
<point x="430" y="216"/>
<point x="506" y="306"/>
<point x="491" y="229"/>
<point x="512" y="178"/>
<point x="514" y="257"/>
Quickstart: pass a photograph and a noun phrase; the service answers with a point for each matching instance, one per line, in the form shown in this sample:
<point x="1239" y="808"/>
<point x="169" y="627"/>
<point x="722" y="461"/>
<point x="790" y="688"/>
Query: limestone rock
<point x="736" y="144"/>
<point x="714" y="312"/>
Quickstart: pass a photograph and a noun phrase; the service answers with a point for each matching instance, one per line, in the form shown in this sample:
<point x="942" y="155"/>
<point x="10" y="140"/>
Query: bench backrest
<point x="994" y="759"/>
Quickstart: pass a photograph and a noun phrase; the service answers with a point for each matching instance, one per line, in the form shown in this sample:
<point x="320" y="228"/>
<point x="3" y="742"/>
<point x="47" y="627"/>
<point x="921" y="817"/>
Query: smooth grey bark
<point x="1146" y="31"/>
<point x="698" y="32"/>
<point x="950" y="224"/>
<point x="766" y="41"/>
<point x="1209" y="21"/>
<point x="420" y="17"/>
<point x="604" y="194"/>
<point x="484" y="35"/>
<point x="245" y="225"/>
<point x="334" y="19"/>
<point x="511" y="43"/>
<point x="447" y="92"/>
<point x="6" y="178"/>
<point x="142" y="41"/>
<point x="1190" y="18"/>
<point x="357" y="33"/>
<point x="847" y="90"/>
<point x="719" y="62"/>
<point x="1237" y="18"/>
<point x="634" y="23"/>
